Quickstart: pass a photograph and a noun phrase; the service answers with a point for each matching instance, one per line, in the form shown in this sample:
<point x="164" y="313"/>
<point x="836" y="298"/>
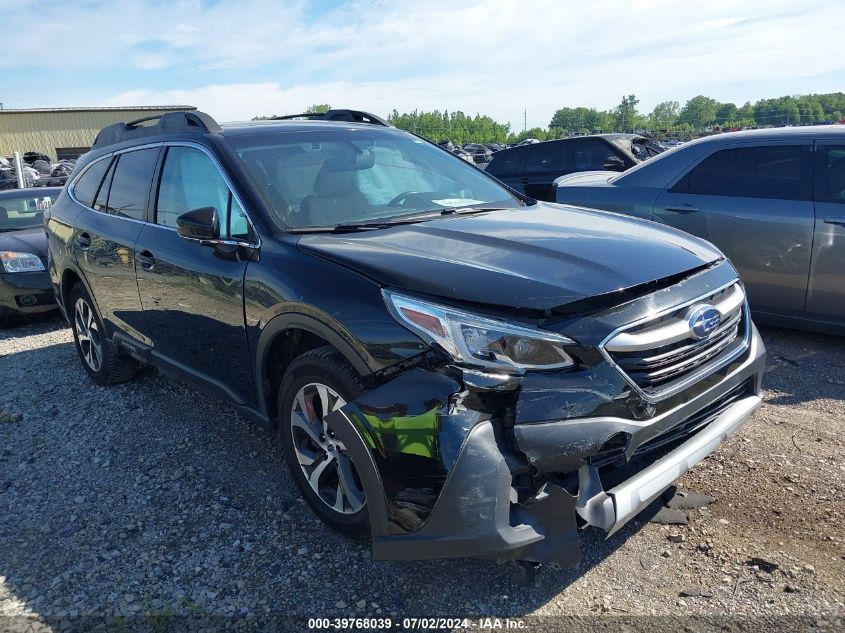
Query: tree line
<point x="668" y="118"/>
<point x="702" y="112"/>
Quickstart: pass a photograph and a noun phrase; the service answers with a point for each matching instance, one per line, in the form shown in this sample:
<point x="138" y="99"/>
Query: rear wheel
<point x="314" y="385"/>
<point x="103" y="365"/>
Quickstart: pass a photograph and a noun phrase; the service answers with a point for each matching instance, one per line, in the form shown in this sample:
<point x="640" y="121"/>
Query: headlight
<point x="480" y="341"/>
<point x="20" y="262"/>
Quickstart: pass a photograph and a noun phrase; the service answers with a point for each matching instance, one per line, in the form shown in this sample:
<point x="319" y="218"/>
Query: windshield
<point x="24" y="211"/>
<point x="333" y="177"/>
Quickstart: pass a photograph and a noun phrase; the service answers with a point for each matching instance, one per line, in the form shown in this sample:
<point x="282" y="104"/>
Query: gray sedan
<point x="772" y="200"/>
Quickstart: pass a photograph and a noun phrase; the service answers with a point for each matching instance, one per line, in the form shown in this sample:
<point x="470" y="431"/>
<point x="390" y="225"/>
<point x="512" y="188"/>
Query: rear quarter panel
<point x="58" y="223"/>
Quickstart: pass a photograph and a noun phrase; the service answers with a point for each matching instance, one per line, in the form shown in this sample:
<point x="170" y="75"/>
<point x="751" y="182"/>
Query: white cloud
<point x="240" y="58"/>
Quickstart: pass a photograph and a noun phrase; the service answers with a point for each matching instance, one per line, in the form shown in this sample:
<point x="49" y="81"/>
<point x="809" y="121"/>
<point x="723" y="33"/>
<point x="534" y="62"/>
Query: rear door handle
<point x="146" y="258"/>
<point x="83" y="241"/>
<point x="840" y="220"/>
<point x="682" y="208"/>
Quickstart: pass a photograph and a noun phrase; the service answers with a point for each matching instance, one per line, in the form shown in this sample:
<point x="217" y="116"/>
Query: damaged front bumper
<point x="447" y="476"/>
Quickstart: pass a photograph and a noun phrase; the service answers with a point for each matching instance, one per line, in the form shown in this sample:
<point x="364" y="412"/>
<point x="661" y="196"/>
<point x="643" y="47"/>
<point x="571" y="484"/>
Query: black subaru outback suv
<point x="453" y="369"/>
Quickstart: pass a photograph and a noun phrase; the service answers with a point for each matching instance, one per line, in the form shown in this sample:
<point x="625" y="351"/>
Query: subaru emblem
<point x="703" y="320"/>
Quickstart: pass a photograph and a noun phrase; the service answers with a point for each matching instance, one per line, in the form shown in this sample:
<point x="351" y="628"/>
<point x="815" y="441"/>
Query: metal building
<point x="65" y="132"/>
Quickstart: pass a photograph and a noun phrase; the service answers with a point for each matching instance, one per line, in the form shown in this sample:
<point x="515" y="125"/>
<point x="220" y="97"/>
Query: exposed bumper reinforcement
<point x="611" y="509"/>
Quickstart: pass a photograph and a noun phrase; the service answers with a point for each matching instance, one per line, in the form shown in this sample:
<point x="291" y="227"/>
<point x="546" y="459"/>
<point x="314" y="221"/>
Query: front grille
<point x="661" y="354"/>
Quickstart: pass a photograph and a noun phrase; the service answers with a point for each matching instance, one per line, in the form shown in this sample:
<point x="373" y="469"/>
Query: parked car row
<point x="37" y="171"/>
<point x="476" y="153"/>
<point x="454" y="368"/>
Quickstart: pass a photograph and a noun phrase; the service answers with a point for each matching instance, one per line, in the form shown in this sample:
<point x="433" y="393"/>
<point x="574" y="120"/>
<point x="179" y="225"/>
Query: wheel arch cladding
<point x="415" y="426"/>
<point x="70" y="278"/>
<point x="287" y="336"/>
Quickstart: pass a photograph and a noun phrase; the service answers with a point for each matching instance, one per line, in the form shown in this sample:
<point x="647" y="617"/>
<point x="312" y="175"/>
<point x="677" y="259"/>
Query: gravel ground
<point x="149" y="498"/>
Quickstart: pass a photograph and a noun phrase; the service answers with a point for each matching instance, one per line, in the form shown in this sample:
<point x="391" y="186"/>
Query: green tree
<point x="454" y="126"/>
<point x="318" y="108"/>
<point x="698" y="112"/>
<point x="726" y="112"/>
<point x="664" y="115"/>
<point x="539" y="133"/>
<point x="568" y="120"/>
<point x="626" y="115"/>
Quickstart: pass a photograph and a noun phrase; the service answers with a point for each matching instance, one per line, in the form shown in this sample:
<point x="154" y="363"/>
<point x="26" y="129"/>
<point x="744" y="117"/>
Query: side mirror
<point x="199" y="224"/>
<point x="614" y="163"/>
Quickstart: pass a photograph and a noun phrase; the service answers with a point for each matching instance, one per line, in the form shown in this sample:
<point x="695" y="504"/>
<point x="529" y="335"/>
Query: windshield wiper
<point x="437" y="213"/>
<point x="351" y="227"/>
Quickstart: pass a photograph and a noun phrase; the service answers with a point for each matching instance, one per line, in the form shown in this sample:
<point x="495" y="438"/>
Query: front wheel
<point x="101" y="362"/>
<point x="314" y="385"/>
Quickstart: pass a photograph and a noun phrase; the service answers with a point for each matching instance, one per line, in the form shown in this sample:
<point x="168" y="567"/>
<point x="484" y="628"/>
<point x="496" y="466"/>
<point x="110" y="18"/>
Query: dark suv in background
<point x="532" y="169"/>
<point x="453" y="369"/>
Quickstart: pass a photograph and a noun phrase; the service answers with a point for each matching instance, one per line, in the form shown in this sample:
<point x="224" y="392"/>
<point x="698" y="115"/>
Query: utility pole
<point x="525" y="120"/>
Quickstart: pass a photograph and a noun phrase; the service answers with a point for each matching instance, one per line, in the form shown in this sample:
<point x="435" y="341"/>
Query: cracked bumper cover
<point x="476" y="513"/>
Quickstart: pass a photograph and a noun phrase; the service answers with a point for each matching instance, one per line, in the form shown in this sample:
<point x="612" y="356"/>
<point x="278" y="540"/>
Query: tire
<point x="318" y="379"/>
<point x="99" y="359"/>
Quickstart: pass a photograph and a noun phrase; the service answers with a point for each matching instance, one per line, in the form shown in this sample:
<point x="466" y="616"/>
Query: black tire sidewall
<point x="316" y="369"/>
<point x="113" y="369"/>
<point x="79" y="292"/>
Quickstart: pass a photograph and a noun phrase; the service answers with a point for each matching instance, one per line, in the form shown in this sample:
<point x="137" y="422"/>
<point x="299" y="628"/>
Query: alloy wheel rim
<point x="322" y="457"/>
<point x="88" y="334"/>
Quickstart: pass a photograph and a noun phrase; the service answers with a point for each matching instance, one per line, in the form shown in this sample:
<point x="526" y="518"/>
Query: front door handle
<point x="146" y="258"/>
<point x="83" y="241"/>
<point x="840" y="220"/>
<point x="682" y="208"/>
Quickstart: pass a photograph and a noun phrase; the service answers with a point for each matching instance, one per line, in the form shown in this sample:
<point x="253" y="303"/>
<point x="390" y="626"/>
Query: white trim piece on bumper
<point x="631" y="496"/>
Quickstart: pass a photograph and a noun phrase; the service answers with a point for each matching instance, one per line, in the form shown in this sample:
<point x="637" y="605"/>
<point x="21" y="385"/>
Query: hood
<point x="538" y="258"/>
<point x="25" y="241"/>
<point x="586" y="178"/>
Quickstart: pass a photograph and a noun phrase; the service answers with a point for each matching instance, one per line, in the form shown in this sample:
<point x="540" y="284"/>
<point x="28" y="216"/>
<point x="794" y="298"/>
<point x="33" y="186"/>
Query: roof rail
<point x="353" y="116"/>
<point x="188" y="121"/>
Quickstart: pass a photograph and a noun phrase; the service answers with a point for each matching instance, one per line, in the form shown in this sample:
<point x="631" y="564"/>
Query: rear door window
<point x="779" y="171"/>
<point x="546" y="158"/>
<point x="587" y="154"/>
<point x="103" y="194"/>
<point x="830" y="181"/>
<point x="130" y="186"/>
<point x="85" y="189"/>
